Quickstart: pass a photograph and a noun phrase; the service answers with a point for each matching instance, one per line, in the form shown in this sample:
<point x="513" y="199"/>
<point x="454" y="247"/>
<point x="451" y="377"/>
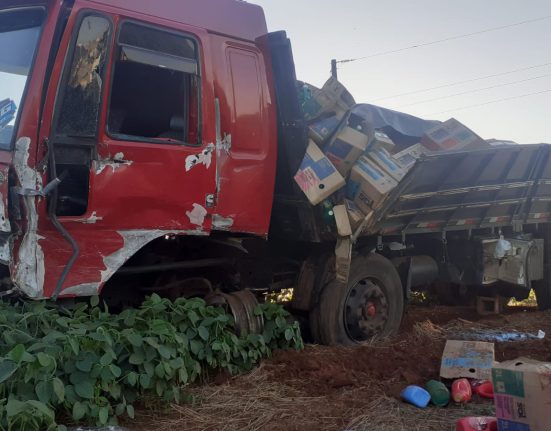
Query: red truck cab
<point x="136" y="121"/>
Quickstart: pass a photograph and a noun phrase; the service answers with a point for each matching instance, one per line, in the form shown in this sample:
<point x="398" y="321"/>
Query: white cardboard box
<point x="317" y="177"/>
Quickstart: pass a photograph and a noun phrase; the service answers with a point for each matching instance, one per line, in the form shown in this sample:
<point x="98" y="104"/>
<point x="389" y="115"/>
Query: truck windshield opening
<point x="19" y="34"/>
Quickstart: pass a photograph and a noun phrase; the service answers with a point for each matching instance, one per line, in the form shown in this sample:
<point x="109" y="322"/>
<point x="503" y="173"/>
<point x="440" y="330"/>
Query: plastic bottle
<point x="416" y="396"/>
<point x="461" y="391"/>
<point x="476" y="424"/>
<point x="485" y="390"/>
<point x="439" y="393"/>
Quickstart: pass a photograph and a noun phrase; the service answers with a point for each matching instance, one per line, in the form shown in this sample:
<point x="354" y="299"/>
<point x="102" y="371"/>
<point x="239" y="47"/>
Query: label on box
<point x="340" y="149"/>
<point x="470" y="359"/>
<point x="509" y="382"/>
<point x="439" y="134"/>
<point x="504" y="425"/>
<point x="464" y="135"/>
<point x="322" y="168"/>
<point x="323" y="129"/>
<point x="364" y="199"/>
<point x="372" y="172"/>
<point x="510" y="408"/>
<point x="306" y="179"/>
<point x="449" y="143"/>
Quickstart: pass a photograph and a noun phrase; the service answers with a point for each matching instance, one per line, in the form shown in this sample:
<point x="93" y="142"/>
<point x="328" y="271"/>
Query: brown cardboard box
<point x="385" y="161"/>
<point x="522" y="395"/>
<point x="452" y="135"/>
<point x="332" y="98"/>
<point x="317" y="177"/>
<point x="469" y="359"/>
<point x="342" y="221"/>
<point x="323" y="129"/>
<point x="355" y="215"/>
<point x="345" y="149"/>
<point x="318" y="104"/>
<point x="409" y="156"/>
<point x="368" y="185"/>
<point x="339" y="94"/>
<point x="381" y="140"/>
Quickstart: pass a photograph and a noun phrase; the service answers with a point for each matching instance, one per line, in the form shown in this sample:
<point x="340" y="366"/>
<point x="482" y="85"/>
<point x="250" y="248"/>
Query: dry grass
<point x="388" y="414"/>
<point x="428" y="330"/>
<point x="248" y="403"/>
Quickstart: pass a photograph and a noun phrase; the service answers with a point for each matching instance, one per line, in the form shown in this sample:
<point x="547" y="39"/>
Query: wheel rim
<point x="365" y="310"/>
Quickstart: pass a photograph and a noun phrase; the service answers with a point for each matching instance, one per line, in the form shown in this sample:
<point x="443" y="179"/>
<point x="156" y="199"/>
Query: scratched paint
<point x="197" y="215"/>
<point x="114" y="163"/>
<point x="222" y="223"/>
<point x="224" y="144"/>
<point x="93" y="219"/>
<point x="134" y="240"/>
<point x="203" y="158"/>
<point x="29" y="271"/>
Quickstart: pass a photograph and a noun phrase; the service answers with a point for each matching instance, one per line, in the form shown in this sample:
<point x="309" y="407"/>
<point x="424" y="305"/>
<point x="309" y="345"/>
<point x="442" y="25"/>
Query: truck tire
<point x="369" y="306"/>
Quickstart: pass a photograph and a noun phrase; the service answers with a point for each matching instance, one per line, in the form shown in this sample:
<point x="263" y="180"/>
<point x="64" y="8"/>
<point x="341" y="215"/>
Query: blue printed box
<point x="317" y="177"/>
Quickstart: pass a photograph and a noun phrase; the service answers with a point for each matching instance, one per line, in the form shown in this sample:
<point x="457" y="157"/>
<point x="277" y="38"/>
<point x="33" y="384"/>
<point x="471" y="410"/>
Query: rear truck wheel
<point x="369" y="306"/>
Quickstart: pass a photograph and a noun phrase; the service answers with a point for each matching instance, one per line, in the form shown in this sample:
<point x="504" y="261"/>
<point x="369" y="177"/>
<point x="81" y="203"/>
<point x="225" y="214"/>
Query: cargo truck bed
<point x="501" y="186"/>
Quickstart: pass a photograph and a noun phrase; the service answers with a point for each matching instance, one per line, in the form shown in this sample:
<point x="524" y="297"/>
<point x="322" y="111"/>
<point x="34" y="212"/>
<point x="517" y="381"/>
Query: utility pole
<point x="334" y="69"/>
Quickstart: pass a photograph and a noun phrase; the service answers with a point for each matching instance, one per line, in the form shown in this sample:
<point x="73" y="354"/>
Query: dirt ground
<point x="335" y="388"/>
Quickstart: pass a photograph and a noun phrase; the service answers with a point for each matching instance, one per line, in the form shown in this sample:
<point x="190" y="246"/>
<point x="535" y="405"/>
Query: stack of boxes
<point x="354" y="165"/>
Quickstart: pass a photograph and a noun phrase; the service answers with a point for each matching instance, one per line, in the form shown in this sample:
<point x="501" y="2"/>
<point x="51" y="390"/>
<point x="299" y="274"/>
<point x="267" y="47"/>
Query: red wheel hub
<point x="371" y="309"/>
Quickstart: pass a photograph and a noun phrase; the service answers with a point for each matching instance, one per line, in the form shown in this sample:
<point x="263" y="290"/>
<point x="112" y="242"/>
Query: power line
<point x="473" y="91"/>
<point x="452" y="84"/>
<point x="447" y="39"/>
<point x="487" y="103"/>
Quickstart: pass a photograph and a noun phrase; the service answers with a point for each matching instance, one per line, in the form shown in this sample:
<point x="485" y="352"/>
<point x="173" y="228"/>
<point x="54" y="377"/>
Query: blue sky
<point x="326" y="29"/>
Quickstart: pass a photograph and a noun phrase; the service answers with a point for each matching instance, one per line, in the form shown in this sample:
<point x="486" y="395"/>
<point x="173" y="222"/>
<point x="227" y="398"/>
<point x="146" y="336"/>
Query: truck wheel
<point x="369" y="306"/>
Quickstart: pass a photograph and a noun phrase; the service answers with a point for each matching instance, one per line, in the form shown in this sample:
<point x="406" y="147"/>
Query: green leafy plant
<point x="93" y="365"/>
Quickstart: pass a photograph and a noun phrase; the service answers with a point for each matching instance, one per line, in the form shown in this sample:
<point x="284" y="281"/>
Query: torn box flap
<point x="469" y="359"/>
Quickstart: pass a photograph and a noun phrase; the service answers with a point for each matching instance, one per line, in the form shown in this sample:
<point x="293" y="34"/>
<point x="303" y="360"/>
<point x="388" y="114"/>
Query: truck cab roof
<point x="236" y="18"/>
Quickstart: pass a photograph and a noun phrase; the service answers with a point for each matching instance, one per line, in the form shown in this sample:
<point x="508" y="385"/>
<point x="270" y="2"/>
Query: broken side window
<point x="155" y="88"/>
<point x="80" y="104"/>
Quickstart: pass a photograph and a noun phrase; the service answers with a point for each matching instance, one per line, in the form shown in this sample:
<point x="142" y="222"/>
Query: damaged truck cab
<point x="135" y="121"/>
<point x="151" y="146"/>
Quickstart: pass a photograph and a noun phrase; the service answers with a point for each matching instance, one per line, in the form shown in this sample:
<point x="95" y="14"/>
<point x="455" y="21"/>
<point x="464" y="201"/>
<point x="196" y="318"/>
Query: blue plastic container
<point x="416" y="396"/>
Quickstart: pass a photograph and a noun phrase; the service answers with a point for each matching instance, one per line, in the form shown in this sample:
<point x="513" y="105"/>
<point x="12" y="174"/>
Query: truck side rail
<point x="464" y="190"/>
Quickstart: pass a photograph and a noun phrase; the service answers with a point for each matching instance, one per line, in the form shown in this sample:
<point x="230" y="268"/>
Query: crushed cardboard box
<point x="452" y="135"/>
<point x="381" y="140"/>
<point x="345" y="149"/>
<point x="409" y="156"/>
<point x="368" y="185"/>
<point x="385" y="161"/>
<point x="522" y="395"/>
<point x="355" y="215"/>
<point x="318" y="104"/>
<point x="467" y="359"/>
<point x="338" y="92"/>
<point x="317" y="177"/>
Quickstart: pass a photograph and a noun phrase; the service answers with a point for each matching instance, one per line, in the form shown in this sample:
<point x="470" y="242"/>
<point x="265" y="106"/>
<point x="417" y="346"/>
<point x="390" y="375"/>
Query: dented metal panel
<point x="30" y="269"/>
